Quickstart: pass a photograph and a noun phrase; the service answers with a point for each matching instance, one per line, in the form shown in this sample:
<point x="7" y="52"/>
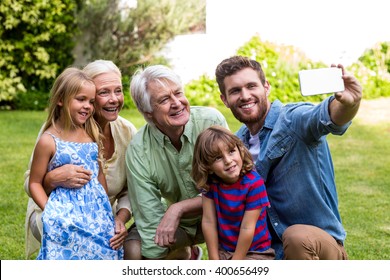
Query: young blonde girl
<point x="234" y="200"/>
<point x="78" y="222"/>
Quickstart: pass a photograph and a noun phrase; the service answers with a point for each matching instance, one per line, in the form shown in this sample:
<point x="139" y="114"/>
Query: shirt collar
<point x="157" y="134"/>
<point x="269" y="122"/>
<point x="273" y="114"/>
<point x="188" y="129"/>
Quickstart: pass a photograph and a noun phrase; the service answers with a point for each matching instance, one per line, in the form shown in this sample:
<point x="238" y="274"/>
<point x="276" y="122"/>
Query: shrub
<point x="32" y="100"/>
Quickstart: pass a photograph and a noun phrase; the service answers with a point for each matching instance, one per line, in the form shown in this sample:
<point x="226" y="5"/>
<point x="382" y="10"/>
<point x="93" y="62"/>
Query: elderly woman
<point x="117" y="134"/>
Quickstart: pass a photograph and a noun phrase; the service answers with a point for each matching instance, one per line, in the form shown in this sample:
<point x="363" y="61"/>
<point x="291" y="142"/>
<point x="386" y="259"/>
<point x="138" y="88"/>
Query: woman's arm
<point x="247" y="231"/>
<point x="121" y="218"/>
<point x="67" y="176"/>
<point x="209" y="227"/>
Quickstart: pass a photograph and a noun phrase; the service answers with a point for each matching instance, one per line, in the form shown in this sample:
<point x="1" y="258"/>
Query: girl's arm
<point x="66" y="176"/>
<point x="247" y="231"/>
<point x="102" y="178"/>
<point x="43" y="152"/>
<point x="209" y="227"/>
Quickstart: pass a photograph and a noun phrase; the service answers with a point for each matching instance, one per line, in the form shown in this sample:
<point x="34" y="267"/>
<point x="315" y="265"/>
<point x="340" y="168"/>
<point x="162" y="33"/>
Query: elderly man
<point x="166" y="205"/>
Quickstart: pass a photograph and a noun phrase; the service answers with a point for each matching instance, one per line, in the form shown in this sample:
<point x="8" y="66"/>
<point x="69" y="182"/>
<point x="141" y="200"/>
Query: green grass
<point x="362" y="164"/>
<point x="361" y="159"/>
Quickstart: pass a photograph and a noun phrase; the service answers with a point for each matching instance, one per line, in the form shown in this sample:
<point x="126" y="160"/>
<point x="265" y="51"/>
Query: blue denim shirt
<point x="296" y="164"/>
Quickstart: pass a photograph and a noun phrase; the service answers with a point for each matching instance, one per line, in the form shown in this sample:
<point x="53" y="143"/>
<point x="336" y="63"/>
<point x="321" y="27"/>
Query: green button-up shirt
<point x="157" y="172"/>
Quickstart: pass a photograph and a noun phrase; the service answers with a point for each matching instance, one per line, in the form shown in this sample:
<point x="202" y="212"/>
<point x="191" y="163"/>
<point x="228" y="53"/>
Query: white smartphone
<point x="320" y="81"/>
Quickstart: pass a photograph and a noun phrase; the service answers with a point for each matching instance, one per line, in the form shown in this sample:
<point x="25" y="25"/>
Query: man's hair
<point x="143" y="78"/>
<point x="232" y="65"/>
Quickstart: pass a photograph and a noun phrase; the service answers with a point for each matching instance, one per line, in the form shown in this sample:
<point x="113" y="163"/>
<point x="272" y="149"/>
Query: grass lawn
<point x="361" y="159"/>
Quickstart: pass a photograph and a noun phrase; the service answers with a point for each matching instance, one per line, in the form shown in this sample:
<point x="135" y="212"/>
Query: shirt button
<point x="282" y="149"/>
<point x="276" y="224"/>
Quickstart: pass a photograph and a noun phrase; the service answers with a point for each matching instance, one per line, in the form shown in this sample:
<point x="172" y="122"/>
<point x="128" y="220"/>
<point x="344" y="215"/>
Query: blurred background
<point x="40" y="38"/>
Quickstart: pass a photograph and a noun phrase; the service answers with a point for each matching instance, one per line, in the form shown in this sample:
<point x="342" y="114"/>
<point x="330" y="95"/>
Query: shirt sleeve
<point x="123" y="131"/>
<point x="220" y="119"/>
<point x="311" y="122"/>
<point x="145" y="199"/>
<point x="257" y="195"/>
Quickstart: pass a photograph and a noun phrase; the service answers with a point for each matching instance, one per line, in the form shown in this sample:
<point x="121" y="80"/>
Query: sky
<point x="332" y="31"/>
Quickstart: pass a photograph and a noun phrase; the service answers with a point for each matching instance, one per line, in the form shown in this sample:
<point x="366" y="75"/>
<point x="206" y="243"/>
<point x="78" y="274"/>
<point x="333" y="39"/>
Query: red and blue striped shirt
<point x="231" y="202"/>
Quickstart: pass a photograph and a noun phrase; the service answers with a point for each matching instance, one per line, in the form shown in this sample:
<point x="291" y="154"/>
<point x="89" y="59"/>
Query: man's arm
<point x="145" y="199"/>
<point x="165" y="233"/>
<point x="346" y="104"/>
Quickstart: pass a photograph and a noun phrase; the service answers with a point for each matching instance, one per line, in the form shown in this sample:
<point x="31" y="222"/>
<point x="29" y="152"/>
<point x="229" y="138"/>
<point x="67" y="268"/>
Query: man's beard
<point x="246" y="119"/>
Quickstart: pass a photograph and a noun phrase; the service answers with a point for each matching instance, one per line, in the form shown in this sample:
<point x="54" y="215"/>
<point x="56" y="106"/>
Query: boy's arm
<point x="209" y="227"/>
<point x="247" y="232"/>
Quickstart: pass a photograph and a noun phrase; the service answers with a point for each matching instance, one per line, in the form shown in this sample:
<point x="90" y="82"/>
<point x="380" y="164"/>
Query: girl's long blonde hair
<point x="206" y="150"/>
<point x="67" y="85"/>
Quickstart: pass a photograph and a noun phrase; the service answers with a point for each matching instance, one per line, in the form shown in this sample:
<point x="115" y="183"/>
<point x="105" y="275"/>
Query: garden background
<point x="40" y="38"/>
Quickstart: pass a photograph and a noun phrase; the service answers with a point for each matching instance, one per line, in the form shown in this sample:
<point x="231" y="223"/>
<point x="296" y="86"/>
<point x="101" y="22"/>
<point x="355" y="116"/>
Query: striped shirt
<point x="231" y="202"/>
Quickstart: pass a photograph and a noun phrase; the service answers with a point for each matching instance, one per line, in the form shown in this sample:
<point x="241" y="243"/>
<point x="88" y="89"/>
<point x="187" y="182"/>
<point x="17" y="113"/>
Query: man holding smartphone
<point x="289" y="147"/>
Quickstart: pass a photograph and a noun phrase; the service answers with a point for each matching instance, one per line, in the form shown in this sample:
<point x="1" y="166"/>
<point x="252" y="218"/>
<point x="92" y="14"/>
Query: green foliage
<point x="281" y="65"/>
<point x="36" y="43"/>
<point x="377" y="58"/>
<point x="128" y="103"/>
<point x="134" y="36"/>
<point x="31" y="101"/>
<point x="373" y="71"/>
<point x="203" y="91"/>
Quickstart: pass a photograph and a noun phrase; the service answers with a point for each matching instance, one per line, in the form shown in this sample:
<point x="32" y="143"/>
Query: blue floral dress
<point x="78" y="223"/>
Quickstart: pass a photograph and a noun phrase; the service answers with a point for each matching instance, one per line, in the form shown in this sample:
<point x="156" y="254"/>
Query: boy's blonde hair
<point x="206" y="150"/>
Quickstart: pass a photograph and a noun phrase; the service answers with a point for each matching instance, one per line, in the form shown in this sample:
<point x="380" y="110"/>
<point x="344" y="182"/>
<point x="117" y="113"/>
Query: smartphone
<point x="320" y="81"/>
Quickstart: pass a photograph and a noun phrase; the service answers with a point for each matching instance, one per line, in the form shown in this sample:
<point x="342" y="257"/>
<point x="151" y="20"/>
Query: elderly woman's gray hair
<point x="100" y="66"/>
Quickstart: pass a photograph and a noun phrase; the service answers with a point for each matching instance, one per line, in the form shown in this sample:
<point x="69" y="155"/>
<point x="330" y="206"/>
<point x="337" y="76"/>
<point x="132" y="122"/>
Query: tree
<point x="36" y="43"/>
<point x="134" y="36"/>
